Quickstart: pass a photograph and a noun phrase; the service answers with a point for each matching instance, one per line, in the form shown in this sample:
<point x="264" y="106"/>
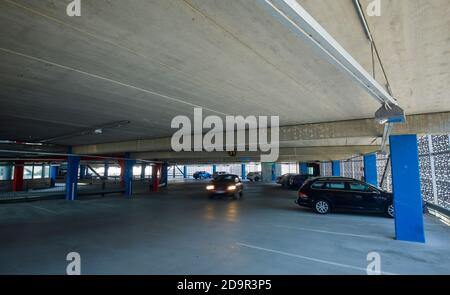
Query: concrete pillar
<point x="105" y="173"/>
<point x="406" y="188"/>
<point x="128" y="177"/>
<point x="336" y="168"/>
<point x="122" y="173"/>
<point x="73" y="163"/>
<point x="243" y="171"/>
<point x="53" y="174"/>
<point x="270" y="171"/>
<point x="370" y="169"/>
<point x="303" y="168"/>
<point x="143" y="166"/>
<point x="18" y="176"/>
<point x="7" y="172"/>
<point x="185" y="172"/>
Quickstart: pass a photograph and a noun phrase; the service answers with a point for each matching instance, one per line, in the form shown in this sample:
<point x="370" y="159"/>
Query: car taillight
<point x="302" y="195"/>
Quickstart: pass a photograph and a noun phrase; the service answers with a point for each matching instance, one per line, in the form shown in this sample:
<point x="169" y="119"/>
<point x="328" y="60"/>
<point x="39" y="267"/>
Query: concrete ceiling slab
<point x="148" y="61"/>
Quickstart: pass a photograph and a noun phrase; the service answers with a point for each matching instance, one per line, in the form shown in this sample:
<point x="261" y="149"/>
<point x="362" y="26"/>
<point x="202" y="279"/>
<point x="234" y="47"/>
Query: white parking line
<point x="42" y="208"/>
<point x="331" y="232"/>
<point x="308" y="258"/>
<point x="368" y="219"/>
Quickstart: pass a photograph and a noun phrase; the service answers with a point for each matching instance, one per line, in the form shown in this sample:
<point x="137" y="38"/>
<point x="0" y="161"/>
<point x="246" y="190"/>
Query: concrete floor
<point x="180" y="231"/>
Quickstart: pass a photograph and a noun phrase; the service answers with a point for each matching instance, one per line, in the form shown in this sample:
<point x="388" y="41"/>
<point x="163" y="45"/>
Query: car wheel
<point x="390" y="211"/>
<point x="322" y="207"/>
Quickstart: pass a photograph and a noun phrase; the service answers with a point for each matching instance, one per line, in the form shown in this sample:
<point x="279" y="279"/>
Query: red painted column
<point x="122" y="173"/>
<point x="155" y="178"/>
<point x="18" y="176"/>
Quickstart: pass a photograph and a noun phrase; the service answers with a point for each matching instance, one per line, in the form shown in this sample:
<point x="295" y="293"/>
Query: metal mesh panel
<point x="326" y="169"/>
<point x="382" y="161"/>
<point x="358" y="168"/>
<point x="346" y="169"/>
<point x="434" y="160"/>
<point x="353" y="168"/>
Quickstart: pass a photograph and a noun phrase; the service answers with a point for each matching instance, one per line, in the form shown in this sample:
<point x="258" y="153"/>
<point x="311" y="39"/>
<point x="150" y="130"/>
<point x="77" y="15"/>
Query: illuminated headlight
<point x="231" y="188"/>
<point x="210" y="187"/>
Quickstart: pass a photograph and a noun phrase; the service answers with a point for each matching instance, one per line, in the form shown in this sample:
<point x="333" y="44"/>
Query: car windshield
<point x="225" y="178"/>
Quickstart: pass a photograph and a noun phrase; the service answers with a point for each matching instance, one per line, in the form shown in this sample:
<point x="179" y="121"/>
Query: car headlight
<point x="210" y="187"/>
<point x="231" y="188"/>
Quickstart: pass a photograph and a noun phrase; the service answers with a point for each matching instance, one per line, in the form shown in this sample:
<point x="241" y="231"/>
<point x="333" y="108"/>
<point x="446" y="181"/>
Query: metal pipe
<point x="363" y="20"/>
<point x="372" y="43"/>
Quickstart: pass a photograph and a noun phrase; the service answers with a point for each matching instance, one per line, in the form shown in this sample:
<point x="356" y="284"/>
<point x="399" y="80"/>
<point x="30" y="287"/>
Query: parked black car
<point x="297" y="180"/>
<point x="284" y="179"/>
<point x="254" y="176"/>
<point x="325" y="194"/>
<point x="226" y="185"/>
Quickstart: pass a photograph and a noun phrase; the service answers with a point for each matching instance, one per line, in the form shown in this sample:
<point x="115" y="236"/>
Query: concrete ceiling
<point x="413" y="39"/>
<point x="148" y="61"/>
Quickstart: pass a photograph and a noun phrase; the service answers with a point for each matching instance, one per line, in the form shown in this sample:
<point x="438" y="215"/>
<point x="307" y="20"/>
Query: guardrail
<point x="438" y="211"/>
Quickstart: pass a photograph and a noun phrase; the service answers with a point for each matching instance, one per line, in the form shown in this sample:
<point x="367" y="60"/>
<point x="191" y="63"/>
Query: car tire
<point x="322" y="207"/>
<point x="390" y="211"/>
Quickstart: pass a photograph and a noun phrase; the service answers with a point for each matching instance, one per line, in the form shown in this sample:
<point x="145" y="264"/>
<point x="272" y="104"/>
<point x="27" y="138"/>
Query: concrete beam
<point x="344" y="133"/>
<point x="286" y="154"/>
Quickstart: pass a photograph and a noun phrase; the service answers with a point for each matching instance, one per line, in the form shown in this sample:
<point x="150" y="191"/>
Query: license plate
<point x="220" y="192"/>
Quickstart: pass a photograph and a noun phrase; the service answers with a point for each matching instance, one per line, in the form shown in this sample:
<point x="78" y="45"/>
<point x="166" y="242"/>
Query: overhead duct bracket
<point x="390" y="114"/>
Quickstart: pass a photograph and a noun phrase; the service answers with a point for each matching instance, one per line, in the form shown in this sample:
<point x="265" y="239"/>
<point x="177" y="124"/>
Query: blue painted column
<point x="128" y="177"/>
<point x="72" y="177"/>
<point x="406" y="188"/>
<point x="243" y="171"/>
<point x="185" y="172"/>
<point x="274" y="175"/>
<point x="214" y="168"/>
<point x="105" y="173"/>
<point x="336" y="168"/>
<point x="53" y="174"/>
<point x="164" y="174"/>
<point x="303" y="168"/>
<point x="370" y="169"/>
<point x="83" y="170"/>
